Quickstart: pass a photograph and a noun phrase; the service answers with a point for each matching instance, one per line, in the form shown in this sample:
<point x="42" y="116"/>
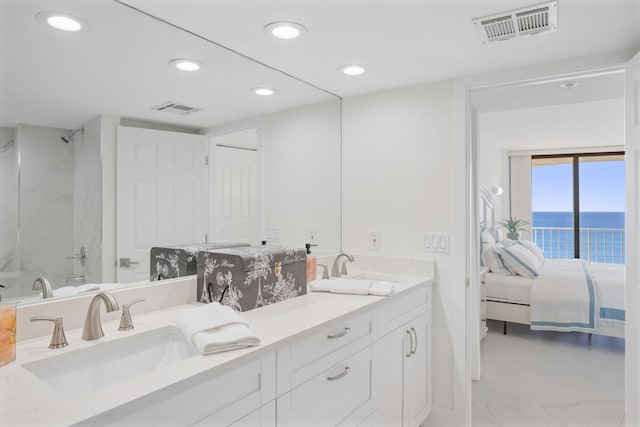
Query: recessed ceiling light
<point x="569" y="85"/>
<point x="264" y="91"/>
<point x="352" y="70"/>
<point x="285" y="30"/>
<point x="62" y="21"/>
<point x="186" y="64"/>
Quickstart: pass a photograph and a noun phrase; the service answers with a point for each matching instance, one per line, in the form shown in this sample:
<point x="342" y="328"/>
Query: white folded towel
<point x="353" y="286"/>
<point x="213" y="328"/>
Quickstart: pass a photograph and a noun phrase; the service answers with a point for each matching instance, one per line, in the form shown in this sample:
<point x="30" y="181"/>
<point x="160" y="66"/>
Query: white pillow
<point x="493" y="258"/>
<point x="533" y="248"/>
<point x="507" y="242"/>
<point x="486" y="240"/>
<point x="521" y="261"/>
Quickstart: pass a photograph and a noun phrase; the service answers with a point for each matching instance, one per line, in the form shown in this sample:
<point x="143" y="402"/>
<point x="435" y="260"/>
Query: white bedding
<point x="563" y="297"/>
<point x="556" y="307"/>
<point x="511" y="288"/>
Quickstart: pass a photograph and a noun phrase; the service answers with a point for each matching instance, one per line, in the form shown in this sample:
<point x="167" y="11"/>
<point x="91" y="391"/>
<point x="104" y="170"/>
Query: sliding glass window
<point x="578" y="203"/>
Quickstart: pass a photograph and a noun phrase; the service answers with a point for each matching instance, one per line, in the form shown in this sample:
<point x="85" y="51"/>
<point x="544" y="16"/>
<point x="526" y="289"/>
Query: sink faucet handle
<point x="126" y="323"/>
<point x="325" y="270"/>
<point x="343" y="270"/>
<point x="58" y="339"/>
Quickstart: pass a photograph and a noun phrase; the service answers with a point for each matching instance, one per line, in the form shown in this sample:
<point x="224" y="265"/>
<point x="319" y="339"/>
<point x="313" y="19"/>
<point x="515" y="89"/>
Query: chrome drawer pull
<point x="340" y="375"/>
<point x="416" y="335"/>
<point x="410" y="344"/>
<point x="339" y="334"/>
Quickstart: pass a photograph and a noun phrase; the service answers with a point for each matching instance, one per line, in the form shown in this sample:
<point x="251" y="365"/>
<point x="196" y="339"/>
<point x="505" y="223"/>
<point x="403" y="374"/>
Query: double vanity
<point x="324" y="360"/>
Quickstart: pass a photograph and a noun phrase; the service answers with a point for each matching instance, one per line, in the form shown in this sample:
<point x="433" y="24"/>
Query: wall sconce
<point x="497" y="190"/>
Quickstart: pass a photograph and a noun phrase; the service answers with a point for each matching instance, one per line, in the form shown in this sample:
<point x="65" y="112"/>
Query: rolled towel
<point x="214" y="328"/>
<point x="382" y="288"/>
<point x="353" y="286"/>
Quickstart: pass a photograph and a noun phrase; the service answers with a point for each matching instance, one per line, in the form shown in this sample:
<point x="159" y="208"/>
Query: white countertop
<point x="28" y="401"/>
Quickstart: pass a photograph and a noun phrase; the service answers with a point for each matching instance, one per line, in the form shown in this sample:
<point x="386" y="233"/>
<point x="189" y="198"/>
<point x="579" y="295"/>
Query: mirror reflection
<point x="111" y="143"/>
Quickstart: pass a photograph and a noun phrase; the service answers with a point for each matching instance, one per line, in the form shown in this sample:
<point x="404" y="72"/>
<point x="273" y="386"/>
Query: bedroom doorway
<point x="534" y="118"/>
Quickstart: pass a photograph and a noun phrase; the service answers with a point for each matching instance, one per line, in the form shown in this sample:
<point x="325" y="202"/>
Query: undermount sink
<point x="91" y="369"/>
<point x="374" y="277"/>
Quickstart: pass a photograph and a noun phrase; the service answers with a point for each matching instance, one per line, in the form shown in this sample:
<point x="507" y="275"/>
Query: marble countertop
<point x="27" y="401"/>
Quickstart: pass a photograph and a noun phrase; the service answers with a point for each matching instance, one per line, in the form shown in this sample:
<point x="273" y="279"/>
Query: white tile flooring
<point x="531" y="378"/>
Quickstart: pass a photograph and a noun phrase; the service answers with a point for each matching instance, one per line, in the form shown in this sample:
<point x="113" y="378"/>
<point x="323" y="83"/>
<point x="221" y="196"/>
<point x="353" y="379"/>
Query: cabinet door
<point x="390" y="352"/>
<point x="417" y="372"/>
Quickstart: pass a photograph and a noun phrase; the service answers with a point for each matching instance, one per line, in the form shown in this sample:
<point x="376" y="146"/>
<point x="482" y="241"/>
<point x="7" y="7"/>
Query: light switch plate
<point x="434" y="242"/>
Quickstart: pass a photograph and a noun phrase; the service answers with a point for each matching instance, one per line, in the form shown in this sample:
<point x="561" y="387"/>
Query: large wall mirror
<point x="107" y="149"/>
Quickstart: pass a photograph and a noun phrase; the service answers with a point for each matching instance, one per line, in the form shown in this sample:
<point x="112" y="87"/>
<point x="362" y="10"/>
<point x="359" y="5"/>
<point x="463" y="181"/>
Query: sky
<point x="602" y="187"/>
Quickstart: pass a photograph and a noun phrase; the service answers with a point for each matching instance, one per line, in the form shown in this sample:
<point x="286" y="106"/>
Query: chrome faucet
<point x="92" y="324"/>
<point x="42" y="284"/>
<point x="335" y="269"/>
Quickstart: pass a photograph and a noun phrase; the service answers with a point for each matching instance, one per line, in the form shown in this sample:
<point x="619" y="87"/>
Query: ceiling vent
<point x="176" y="108"/>
<point x="536" y="19"/>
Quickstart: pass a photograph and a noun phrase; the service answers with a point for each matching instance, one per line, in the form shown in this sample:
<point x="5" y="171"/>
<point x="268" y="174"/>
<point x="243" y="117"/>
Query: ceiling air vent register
<point x="176" y="108"/>
<point x="536" y="19"/>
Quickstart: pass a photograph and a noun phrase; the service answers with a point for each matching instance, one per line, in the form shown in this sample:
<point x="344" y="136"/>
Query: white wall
<point x="397" y="180"/>
<point x="302" y="174"/>
<point x="571" y="126"/>
<point x="45" y="206"/>
<point x="298" y="173"/>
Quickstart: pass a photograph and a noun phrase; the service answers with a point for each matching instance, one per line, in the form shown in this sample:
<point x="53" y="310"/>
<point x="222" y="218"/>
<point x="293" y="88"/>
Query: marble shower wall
<point x="46" y="207"/>
<point x="87" y="201"/>
<point x="8" y="209"/>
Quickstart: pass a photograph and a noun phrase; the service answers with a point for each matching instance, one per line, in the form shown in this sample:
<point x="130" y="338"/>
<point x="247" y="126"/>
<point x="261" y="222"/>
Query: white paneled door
<point x="161" y="195"/>
<point x="632" y="226"/>
<point x="234" y="205"/>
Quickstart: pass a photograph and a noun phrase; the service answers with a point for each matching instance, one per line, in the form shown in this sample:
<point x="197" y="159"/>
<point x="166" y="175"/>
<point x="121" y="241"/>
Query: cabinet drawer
<point x="246" y="389"/>
<point x="331" y="397"/>
<point x="317" y="352"/>
<point x="404" y="308"/>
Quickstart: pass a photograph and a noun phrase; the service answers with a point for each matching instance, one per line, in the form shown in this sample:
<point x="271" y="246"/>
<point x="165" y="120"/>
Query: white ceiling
<point x="402" y="41"/>
<point x="120" y="66"/>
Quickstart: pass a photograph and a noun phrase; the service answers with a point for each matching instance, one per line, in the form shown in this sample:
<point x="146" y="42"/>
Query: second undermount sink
<point x="94" y="368"/>
<point x="375" y="277"/>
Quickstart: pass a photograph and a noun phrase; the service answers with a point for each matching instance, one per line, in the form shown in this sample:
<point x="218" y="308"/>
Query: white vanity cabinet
<point x="373" y="369"/>
<point x="325" y="360"/>
<point x="402" y="382"/>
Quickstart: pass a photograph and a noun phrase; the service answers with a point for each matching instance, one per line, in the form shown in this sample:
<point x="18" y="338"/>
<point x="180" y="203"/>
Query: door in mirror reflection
<point x="234" y="205"/>
<point x="161" y="195"/>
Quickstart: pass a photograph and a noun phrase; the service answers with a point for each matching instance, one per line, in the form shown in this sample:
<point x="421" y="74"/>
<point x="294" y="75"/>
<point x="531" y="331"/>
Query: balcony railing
<point x="605" y="245"/>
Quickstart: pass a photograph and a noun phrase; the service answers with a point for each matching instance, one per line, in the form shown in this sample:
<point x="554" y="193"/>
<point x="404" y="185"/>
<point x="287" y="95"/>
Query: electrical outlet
<point x="374" y="241"/>
<point x="313" y="237"/>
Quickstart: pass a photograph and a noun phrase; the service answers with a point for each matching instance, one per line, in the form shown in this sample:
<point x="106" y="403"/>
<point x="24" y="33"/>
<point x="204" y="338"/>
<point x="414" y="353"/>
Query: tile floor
<point x="531" y="378"/>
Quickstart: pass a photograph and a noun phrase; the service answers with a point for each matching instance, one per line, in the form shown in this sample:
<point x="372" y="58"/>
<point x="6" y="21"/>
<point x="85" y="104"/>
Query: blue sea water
<point x="603" y="242"/>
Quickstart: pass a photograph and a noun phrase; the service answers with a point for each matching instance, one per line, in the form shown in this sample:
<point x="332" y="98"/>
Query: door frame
<point x="466" y="192"/>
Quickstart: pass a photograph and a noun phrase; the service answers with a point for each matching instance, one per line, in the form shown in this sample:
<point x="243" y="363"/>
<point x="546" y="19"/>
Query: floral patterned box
<point x="178" y="261"/>
<point x="248" y="278"/>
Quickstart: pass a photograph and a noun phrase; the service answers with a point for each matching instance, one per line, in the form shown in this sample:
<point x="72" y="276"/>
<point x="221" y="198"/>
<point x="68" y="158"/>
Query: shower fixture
<point x="70" y="134"/>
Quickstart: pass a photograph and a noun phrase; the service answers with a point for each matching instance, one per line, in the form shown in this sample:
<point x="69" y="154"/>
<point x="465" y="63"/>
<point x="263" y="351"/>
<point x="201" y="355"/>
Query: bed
<point x="568" y="295"/>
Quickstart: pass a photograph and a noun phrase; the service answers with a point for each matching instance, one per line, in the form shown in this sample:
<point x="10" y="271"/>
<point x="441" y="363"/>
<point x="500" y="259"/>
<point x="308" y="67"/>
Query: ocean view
<point x="601" y="235"/>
